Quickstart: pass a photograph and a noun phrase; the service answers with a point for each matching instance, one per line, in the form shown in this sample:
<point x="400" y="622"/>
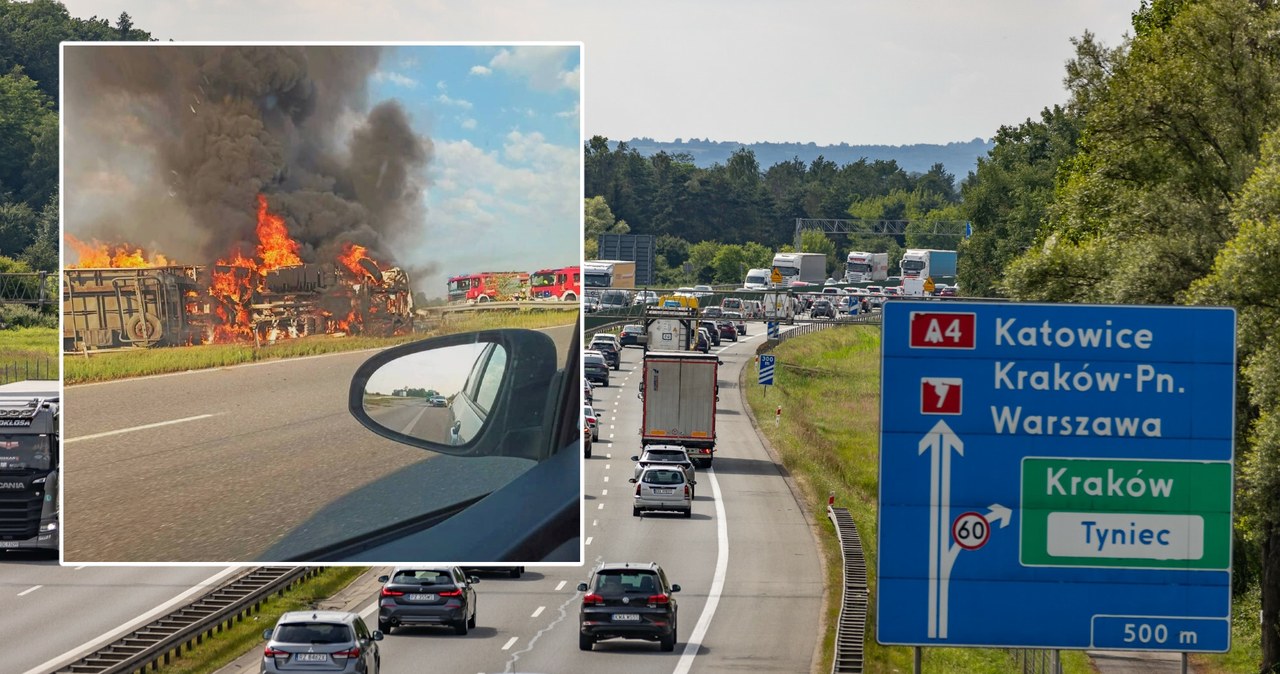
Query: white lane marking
<point x="80" y="651"/>
<point x="604" y="492"/>
<point x="606" y="478"/>
<point x="600" y="507"/>
<point x="81" y="567"/>
<point x="510" y="642"/>
<point x="560" y="585"/>
<point x="29" y="590"/>
<point x="593" y="523"/>
<point x="140" y="428"/>
<point x="407" y="429"/>
<point x="538" y="611"/>
<point x="368" y="610"/>
<point x="606" y="466"/>
<point x="717" y="582"/>
<point x="589" y="539"/>
<point x="608" y="456"/>
<point x="563" y="614"/>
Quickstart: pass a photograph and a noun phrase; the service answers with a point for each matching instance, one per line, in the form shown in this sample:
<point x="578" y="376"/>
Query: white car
<point x="662" y="488"/>
<point x="646" y="297"/>
<point x="593" y="421"/>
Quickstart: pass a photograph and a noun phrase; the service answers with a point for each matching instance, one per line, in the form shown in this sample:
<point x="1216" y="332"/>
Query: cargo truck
<point x="863" y="267"/>
<point x="806" y="267"/>
<point x="927" y="263"/>
<point x="609" y="274"/>
<point x="679" y="392"/>
<point x="29" y="458"/>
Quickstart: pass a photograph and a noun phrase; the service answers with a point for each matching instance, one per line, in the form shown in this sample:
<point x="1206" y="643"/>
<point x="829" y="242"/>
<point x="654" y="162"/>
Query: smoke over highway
<point x="167" y="147"/>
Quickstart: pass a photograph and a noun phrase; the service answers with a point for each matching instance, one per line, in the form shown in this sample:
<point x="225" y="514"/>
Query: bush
<point x="22" y="316"/>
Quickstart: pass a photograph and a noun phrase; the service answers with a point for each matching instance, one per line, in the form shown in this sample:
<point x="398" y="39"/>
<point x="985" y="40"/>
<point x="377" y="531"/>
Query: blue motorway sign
<point x="1056" y="476"/>
<point x="766" y="369"/>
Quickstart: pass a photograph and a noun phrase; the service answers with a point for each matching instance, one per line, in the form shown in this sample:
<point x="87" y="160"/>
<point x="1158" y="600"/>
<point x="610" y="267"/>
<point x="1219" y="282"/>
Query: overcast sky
<point x="825" y="71"/>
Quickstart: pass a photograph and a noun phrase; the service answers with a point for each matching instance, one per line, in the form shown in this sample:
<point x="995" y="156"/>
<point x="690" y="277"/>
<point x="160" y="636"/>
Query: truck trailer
<point x="863" y="267"/>
<point x="679" y="392"/>
<point x="29" y="461"/>
<point x="600" y="274"/>
<point x="929" y="263"/>
<point x="805" y="267"/>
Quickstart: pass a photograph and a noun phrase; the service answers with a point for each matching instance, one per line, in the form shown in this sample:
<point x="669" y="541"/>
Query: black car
<point x="439" y="595"/>
<point x="610" y="351"/>
<point x="727" y="330"/>
<point x="712" y="312"/>
<point x="704" y="341"/>
<point x="628" y="601"/>
<point x="595" y="368"/>
<point x="713" y="330"/>
<point x="632" y="335"/>
<point x="823" y="308"/>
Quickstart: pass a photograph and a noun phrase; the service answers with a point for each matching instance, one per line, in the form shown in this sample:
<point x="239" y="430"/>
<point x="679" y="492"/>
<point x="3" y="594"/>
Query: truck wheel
<point x="144" y="329"/>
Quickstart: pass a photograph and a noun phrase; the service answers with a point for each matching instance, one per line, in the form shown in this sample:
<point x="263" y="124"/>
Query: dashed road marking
<point x="510" y="642"/>
<point x="537" y="612"/>
<point x="29" y="590"/>
<point x="560" y="585"/>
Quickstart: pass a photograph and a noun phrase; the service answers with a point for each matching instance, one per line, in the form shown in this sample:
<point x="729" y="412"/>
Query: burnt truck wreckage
<point x="180" y="305"/>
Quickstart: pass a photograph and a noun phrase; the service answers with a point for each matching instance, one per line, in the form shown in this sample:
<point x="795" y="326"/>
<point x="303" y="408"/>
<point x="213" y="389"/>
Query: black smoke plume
<point x="168" y="147"/>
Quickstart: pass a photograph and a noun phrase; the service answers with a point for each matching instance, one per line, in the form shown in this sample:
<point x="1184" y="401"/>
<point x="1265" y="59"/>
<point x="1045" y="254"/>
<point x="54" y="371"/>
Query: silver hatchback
<point x="662" y="488"/>
<point x="320" y="642"/>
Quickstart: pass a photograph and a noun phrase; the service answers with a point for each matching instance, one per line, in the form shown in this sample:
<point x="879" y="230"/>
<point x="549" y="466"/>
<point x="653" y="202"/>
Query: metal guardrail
<point x="166" y="637"/>
<point x="33" y="288"/>
<point x="851" y="628"/>
<point x="553" y="305"/>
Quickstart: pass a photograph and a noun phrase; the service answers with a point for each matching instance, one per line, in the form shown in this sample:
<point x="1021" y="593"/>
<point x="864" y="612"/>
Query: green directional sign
<point x="1140" y="514"/>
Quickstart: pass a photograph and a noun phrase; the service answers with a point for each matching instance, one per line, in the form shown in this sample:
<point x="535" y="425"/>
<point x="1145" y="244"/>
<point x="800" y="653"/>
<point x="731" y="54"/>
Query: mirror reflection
<point x="443" y="395"/>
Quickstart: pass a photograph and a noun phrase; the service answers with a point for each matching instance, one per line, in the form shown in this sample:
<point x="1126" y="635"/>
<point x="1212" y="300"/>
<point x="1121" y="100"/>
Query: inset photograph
<point x="312" y="307"/>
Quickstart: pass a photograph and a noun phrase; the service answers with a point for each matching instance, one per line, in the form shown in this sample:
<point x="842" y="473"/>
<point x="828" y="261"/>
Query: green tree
<point x="27" y="122"/>
<point x="18" y="228"/>
<point x="813" y="241"/>
<point x="42" y="254"/>
<point x="730" y="263"/>
<point x="702" y="256"/>
<point x="1246" y="275"/>
<point x="598" y="219"/>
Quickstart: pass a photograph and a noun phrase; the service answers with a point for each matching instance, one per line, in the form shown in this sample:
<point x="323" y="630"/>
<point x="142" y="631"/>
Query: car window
<point x="663" y="477"/>
<point x="313" y="633"/>
<point x="420" y="577"/>
<point x="594" y="359"/>
<point x="619" y="582"/>
<point x="362" y="630"/>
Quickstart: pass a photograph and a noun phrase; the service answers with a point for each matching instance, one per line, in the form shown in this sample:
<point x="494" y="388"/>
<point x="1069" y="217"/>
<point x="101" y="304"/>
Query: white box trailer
<point x="679" y="391"/>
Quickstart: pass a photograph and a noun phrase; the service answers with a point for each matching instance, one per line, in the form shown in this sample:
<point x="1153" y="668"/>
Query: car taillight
<point x="658" y="599"/>
<point x="593" y="600"/>
<point x="450" y="593"/>
<point x="637" y="489"/>
<point x="274" y="653"/>
<point x="686" y="490"/>
<point x="350" y="653"/>
<point x="391" y="593"/>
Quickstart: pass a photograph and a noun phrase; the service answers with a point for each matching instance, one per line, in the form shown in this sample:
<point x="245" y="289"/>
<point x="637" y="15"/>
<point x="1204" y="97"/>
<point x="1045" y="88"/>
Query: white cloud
<point x="395" y="78"/>
<point x="440" y="84"/>
<point x="456" y="102"/>
<point x="572" y="112"/>
<point x="480" y="70"/>
<point x="543" y="67"/>
<point x="469" y="123"/>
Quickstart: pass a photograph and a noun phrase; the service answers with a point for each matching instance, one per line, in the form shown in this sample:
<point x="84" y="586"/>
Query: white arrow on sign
<point x="999" y="513"/>
<point x="939" y="441"/>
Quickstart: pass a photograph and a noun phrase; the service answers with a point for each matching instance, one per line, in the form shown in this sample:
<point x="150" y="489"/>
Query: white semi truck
<point x="806" y="267"/>
<point x="863" y="267"/>
<point x="679" y="392"/>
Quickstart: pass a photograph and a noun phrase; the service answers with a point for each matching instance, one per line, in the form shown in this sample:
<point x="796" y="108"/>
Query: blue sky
<point x="504" y="184"/>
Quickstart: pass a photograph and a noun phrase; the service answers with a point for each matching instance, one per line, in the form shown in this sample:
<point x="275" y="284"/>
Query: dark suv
<point x="610" y="351"/>
<point x="628" y="601"/>
<point x="823" y="308"/>
<point x="595" y="367"/>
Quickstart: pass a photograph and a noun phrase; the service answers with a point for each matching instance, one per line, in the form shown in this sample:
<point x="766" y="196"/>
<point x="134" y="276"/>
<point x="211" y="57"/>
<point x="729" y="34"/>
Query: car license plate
<point x="311" y="657"/>
<point x="422" y="597"/>
<point x="664" y="491"/>
<point x="626" y="617"/>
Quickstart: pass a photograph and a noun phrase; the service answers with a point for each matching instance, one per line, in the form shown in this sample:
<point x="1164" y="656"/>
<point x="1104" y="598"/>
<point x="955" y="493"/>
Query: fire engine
<point x="563" y="284"/>
<point x="495" y="286"/>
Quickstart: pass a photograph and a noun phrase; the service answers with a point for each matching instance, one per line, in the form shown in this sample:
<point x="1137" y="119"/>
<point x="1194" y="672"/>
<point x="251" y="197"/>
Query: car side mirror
<point x="635" y="458"/>
<point x="631" y="480"/>
<point x="473" y="580"/>
<point x="461" y="395"/>
<point x="266" y="634"/>
<point x="383" y="579"/>
<point x="377" y="635"/>
<point x="675" y="588"/>
<point x="582" y="587"/>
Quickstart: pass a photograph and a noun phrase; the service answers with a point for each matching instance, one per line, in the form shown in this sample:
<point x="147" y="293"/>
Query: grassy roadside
<point x="28" y="353"/>
<point x="828" y="441"/>
<point x="230" y="644"/>
<point x="119" y="365"/>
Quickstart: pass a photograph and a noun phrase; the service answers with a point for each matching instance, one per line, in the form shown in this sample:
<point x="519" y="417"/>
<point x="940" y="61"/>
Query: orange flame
<point x="350" y="258"/>
<point x="97" y="255"/>
<point x="276" y="248"/>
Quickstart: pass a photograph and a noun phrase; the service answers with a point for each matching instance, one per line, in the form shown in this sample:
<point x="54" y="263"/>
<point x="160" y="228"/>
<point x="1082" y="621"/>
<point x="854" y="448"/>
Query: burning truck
<point x="120" y="297"/>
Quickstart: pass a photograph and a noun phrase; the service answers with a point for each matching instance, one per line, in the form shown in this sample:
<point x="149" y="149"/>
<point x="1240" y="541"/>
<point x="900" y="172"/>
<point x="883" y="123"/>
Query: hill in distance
<point x="959" y="158"/>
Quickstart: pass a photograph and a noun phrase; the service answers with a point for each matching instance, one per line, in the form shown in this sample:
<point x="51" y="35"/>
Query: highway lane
<point x="768" y="610"/>
<point x="245" y="463"/>
<point x="83" y="604"/>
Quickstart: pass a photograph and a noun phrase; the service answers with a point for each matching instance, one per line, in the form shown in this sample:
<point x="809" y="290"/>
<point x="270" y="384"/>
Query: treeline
<point x="712" y="224"/>
<point x="29" y="67"/>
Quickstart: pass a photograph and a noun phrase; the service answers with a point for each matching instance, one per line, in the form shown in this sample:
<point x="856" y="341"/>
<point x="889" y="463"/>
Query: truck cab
<point x="29" y="462"/>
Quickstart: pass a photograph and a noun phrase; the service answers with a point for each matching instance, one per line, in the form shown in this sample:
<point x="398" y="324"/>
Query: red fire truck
<point x="564" y="284"/>
<point x="489" y="286"/>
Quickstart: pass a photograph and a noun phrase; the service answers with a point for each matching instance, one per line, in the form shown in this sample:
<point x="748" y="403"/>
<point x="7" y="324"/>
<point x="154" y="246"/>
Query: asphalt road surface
<point x="48" y="612"/>
<point x="413" y="417"/>
<point x="749" y="602"/>
<point x="256" y="462"/>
